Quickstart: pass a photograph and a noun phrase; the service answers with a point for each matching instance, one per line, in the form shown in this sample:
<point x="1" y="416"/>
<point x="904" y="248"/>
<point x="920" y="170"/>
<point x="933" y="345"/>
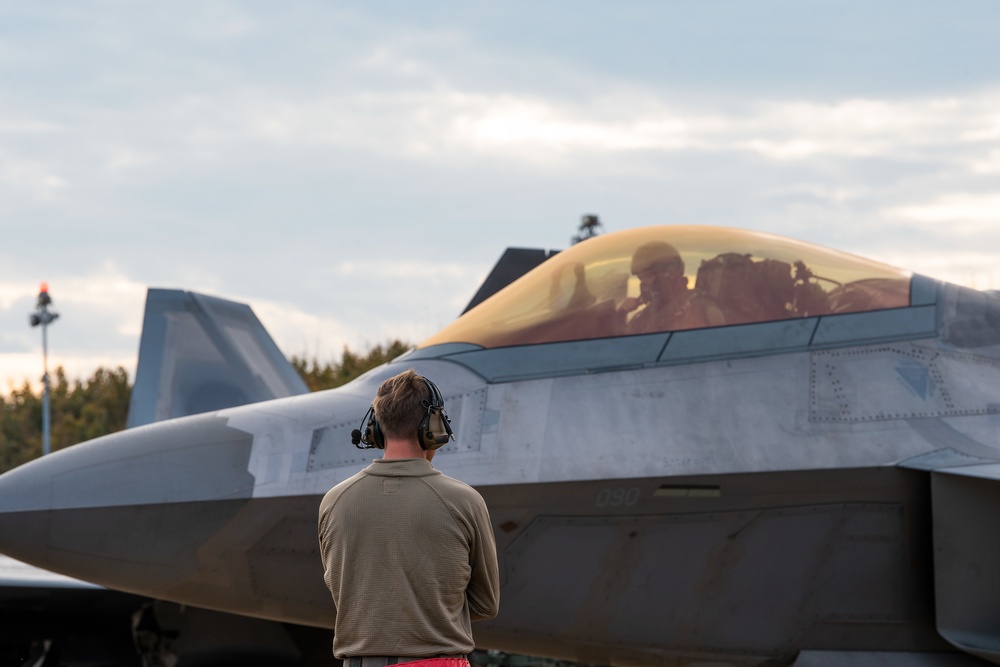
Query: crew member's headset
<point x="434" y="430"/>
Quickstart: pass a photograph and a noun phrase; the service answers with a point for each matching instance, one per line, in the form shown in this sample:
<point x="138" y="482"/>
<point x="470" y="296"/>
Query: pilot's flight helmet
<point x="657" y="256"/>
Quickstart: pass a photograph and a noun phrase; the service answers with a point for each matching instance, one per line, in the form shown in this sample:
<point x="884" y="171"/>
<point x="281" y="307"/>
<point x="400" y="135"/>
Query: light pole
<point x="45" y="317"/>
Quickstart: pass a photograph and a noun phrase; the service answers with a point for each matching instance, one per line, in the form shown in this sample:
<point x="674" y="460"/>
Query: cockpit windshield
<point x="671" y="278"/>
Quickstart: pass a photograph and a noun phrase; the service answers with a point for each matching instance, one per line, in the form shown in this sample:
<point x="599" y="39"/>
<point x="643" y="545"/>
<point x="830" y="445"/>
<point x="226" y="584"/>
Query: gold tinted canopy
<point x="670" y="278"/>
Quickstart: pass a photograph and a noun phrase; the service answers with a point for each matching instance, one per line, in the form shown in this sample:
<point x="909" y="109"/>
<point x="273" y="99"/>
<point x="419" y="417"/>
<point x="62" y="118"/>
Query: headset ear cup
<point x="366" y="438"/>
<point x="424" y="436"/>
<point x="434" y="429"/>
<point x="378" y="438"/>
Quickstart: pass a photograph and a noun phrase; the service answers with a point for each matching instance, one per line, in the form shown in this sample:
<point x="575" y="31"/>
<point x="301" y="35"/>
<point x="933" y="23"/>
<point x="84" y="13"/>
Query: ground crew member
<point x="408" y="553"/>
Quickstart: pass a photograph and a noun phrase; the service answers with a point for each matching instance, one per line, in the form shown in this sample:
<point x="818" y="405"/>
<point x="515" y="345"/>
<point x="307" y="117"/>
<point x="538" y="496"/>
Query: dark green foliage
<point x="351" y="365"/>
<point x="20" y="427"/>
<point x="80" y="411"/>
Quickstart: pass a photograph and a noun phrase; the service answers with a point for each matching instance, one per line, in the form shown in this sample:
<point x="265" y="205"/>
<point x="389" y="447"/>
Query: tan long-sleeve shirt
<point x="410" y="559"/>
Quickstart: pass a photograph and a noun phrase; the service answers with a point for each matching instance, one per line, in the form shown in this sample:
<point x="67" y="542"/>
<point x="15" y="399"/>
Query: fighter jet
<point x="699" y="446"/>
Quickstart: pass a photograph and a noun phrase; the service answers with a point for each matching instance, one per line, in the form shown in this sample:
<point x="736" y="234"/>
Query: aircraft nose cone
<point x="108" y="511"/>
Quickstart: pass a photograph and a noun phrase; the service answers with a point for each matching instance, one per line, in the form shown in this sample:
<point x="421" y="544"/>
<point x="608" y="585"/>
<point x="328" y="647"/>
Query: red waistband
<point x="438" y="662"/>
<point x="387" y="661"/>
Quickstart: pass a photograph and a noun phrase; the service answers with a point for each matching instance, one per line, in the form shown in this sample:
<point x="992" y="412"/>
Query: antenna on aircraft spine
<point x="44" y="317"/>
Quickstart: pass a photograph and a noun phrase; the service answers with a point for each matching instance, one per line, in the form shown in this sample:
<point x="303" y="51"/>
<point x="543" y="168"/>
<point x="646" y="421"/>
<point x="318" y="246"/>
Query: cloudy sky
<point x="353" y="170"/>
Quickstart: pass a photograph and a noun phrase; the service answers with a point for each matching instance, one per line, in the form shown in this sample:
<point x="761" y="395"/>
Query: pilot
<point x="408" y="553"/>
<point x="665" y="303"/>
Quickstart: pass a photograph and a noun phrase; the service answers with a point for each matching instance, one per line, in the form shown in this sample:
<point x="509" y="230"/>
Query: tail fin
<point x="513" y="263"/>
<point x="199" y="353"/>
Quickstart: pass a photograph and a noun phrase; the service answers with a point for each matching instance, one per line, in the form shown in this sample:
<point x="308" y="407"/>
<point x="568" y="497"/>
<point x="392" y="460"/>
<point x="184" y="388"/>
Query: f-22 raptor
<point x="699" y="446"/>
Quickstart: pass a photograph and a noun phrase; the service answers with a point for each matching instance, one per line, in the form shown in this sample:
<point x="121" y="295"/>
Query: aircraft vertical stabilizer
<point x="513" y="263"/>
<point x="200" y="353"/>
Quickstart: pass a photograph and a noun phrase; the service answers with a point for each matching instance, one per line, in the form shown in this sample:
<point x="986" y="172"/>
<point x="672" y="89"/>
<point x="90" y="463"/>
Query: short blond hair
<point x="399" y="405"/>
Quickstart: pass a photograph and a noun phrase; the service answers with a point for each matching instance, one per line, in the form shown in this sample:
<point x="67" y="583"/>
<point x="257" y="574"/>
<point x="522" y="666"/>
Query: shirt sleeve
<point x="483" y="592"/>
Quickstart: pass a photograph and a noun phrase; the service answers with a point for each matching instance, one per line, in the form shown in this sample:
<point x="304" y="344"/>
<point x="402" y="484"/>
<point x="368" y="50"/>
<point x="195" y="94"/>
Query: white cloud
<point x="978" y="270"/>
<point x="105" y="287"/>
<point x="426" y="119"/>
<point x="27" y="367"/>
<point x="986" y="129"/>
<point x="436" y="124"/>
<point x="409" y="270"/>
<point x="32" y="176"/>
<point x="988" y="164"/>
<point x="16" y="127"/>
<point x="324" y="337"/>
<point x="299" y="333"/>
<point x="966" y="212"/>
<point x="11" y="292"/>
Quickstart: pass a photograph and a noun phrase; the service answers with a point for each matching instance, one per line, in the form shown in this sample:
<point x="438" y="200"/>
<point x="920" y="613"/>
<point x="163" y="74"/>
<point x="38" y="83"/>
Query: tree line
<point x="82" y="410"/>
